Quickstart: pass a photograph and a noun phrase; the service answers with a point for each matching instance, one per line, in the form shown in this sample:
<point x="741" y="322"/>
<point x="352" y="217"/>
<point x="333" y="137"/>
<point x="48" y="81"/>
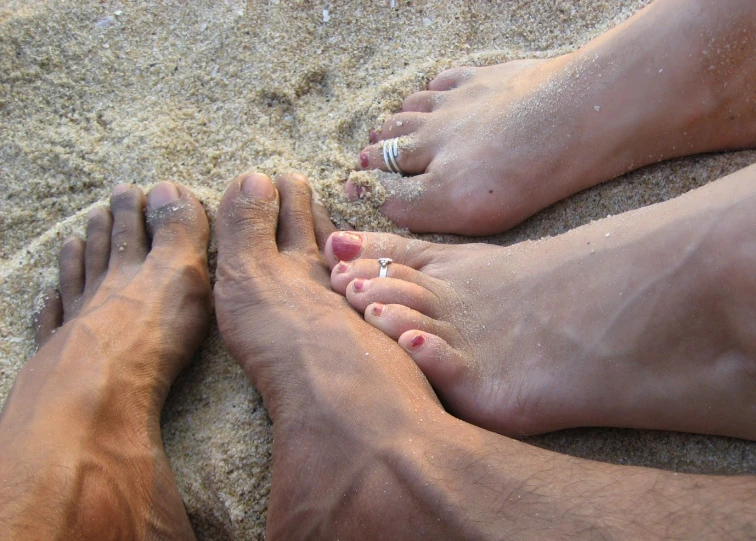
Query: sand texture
<point x="95" y="93"/>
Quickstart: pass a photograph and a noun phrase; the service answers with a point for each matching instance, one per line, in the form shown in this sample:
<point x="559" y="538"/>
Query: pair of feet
<point x="492" y="146"/>
<point x="640" y="320"/>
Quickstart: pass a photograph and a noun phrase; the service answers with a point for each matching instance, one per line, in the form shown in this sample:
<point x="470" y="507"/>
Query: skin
<point x="643" y="320"/>
<point x="494" y="145"/>
<point x="363" y="449"/>
<point x="81" y="455"/>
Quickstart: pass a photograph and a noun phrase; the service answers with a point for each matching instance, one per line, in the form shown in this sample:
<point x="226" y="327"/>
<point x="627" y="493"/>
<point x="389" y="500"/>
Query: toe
<point x="296" y="228"/>
<point x="247" y="222"/>
<point x="414" y="157"/>
<point x="422" y="102"/>
<point x="396" y="319"/>
<point x="128" y="242"/>
<point x="323" y="224"/>
<point x="71" y="275"/>
<point x="49" y="317"/>
<point x="347" y="271"/>
<point x="451" y="78"/>
<point x="443" y="365"/>
<point x="97" y="256"/>
<point x="362" y="292"/>
<point x="399" y="125"/>
<point x="177" y="221"/>
<point x="349" y="245"/>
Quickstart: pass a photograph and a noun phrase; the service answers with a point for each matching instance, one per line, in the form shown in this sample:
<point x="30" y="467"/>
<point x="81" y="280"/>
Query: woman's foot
<point x="81" y="437"/>
<point x="492" y="146"/>
<point x="642" y="320"/>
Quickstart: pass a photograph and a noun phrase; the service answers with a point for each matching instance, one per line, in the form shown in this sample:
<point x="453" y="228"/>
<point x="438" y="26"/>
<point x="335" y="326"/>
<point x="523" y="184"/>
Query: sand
<point x="94" y="93"/>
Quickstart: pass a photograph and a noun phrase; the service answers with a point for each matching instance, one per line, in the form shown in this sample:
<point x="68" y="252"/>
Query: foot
<point x="342" y="396"/>
<point x="492" y="146"/>
<point x="81" y="426"/>
<point x="643" y="320"/>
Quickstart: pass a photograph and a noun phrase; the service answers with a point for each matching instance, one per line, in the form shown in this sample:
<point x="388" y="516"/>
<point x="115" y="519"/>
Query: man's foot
<point x="492" y="146"/>
<point x="642" y="320"/>
<point x="81" y="450"/>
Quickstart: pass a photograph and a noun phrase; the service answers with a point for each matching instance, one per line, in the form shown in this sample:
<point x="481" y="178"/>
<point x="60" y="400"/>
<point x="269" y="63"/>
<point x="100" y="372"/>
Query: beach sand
<point x="95" y="93"/>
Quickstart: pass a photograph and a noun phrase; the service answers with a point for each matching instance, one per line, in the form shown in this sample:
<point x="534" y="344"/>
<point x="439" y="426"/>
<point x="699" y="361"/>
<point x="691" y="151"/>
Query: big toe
<point x="177" y="222"/>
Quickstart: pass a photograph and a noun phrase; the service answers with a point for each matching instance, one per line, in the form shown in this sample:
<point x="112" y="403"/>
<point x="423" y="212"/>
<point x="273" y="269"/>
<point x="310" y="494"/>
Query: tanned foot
<point x="642" y="320"/>
<point x="363" y="450"/>
<point x="492" y="146"/>
<point x="81" y="455"/>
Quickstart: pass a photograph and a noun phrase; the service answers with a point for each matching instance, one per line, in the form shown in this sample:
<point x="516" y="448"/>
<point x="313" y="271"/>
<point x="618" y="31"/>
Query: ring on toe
<point x="384" y="263"/>
<point x="390" y="155"/>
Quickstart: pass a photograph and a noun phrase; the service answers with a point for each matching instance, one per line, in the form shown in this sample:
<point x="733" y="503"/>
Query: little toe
<point x="350" y="245"/>
<point x="346" y="271"/>
<point x="394" y="320"/>
<point x="362" y="292"/>
<point x="451" y="78"/>
<point x="128" y="242"/>
<point x="443" y="365"/>
<point x="71" y="275"/>
<point x="422" y="102"/>
<point x="399" y="125"/>
<point x="49" y="317"/>
<point x="177" y="222"/>
<point x="97" y="255"/>
<point x="247" y="218"/>
<point x="296" y="228"/>
<point x="413" y="156"/>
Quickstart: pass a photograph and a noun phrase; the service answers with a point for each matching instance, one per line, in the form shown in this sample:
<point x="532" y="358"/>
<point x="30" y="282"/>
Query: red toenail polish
<point x="359" y="190"/>
<point x="417" y="342"/>
<point x="359" y="284"/>
<point x="373" y="136"/>
<point x="364" y="160"/>
<point x="346" y="246"/>
<point x="377" y="309"/>
<point x="342" y="267"/>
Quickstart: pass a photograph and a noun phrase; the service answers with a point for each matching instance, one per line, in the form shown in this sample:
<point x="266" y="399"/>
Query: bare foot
<point x="81" y="451"/>
<point x="492" y="146"/>
<point x="363" y="450"/>
<point x="642" y="320"/>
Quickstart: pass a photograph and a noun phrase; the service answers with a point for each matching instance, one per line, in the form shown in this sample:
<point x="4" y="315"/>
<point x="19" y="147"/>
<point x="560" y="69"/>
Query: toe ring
<point x="384" y="263"/>
<point x="391" y="154"/>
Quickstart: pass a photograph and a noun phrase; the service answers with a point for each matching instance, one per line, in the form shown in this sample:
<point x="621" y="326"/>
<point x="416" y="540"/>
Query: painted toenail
<point x="121" y="188"/>
<point x="417" y="342"/>
<point x="258" y="186"/>
<point x="342" y="267"/>
<point x="373" y="136"/>
<point x="163" y="194"/>
<point x="360" y="285"/>
<point x="377" y="309"/>
<point x="364" y="160"/>
<point x="346" y="246"/>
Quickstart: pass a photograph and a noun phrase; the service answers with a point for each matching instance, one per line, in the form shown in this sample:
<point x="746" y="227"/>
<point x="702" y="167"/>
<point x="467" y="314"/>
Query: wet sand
<point x="94" y="93"/>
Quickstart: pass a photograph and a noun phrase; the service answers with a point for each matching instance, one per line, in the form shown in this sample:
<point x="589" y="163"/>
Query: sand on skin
<point x="97" y="93"/>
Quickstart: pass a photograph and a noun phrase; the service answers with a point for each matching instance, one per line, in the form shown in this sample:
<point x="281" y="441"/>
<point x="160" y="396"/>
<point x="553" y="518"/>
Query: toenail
<point x="373" y="136"/>
<point x="417" y="342"/>
<point x="342" y="267"/>
<point x="364" y="160"/>
<point x="121" y="188"/>
<point x="346" y="246"/>
<point x="258" y="186"/>
<point x="360" y="285"/>
<point x="163" y="194"/>
<point x="377" y="309"/>
<point x="94" y="213"/>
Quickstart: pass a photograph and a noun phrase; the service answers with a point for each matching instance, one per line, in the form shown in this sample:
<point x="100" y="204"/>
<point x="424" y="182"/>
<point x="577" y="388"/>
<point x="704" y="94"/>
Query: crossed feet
<point x="362" y="446"/>
<point x="492" y="146"/>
